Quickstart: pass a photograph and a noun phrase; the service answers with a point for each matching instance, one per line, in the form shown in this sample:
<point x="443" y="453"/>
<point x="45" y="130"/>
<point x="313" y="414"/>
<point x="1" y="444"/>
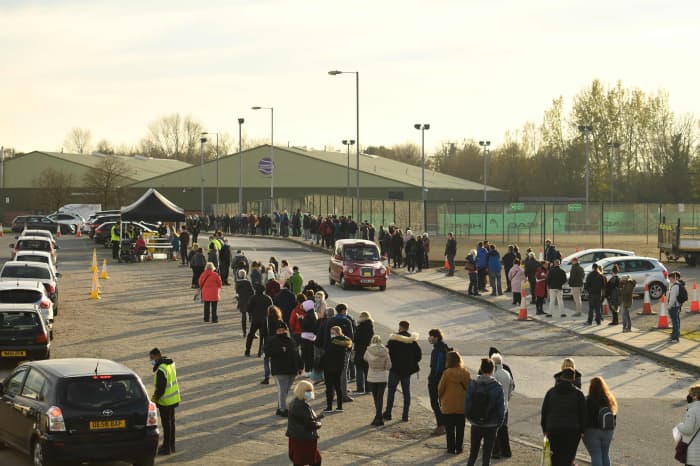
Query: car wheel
<point x="38" y="456"/>
<point x="343" y="283"/>
<point x="382" y="288"/>
<point x="145" y="462"/>
<point x="656" y="290"/>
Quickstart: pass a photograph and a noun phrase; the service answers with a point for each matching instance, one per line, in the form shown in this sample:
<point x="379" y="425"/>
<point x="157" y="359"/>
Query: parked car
<point x="11" y="271"/>
<point x="33" y="243"/>
<point x="356" y="262"/>
<point x="100" y="220"/>
<point x="589" y="256"/>
<point x="70" y="411"/>
<point x="37" y="256"/>
<point x="24" y="334"/>
<point x="28" y="292"/>
<point x="87" y="226"/>
<point x="103" y="233"/>
<point x="39" y="222"/>
<point x="644" y="270"/>
<point x="66" y="218"/>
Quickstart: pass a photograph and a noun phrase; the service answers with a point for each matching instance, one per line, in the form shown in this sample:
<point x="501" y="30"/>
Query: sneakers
<point x="339" y="409"/>
<point x="348" y="399"/>
<point x="404" y="419"/>
<point x="328" y="410"/>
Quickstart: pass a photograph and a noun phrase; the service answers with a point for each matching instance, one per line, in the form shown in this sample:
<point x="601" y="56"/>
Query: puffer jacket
<point x="210" y="283"/>
<point x="405" y="353"/>
<point x="564" y="409"/>
<point x="363" y="336"/>
<point x="556" y="278"/>
<point x="452" y="389"/>
<point x="576" y="275"/>
<point x="302" y="423"/>
<point x="379" y="362"/>
<point x="516" y="275"/>
<point x="495" y="391"/>
<point x="690" y="424"/>
<point x="334" y="358"/>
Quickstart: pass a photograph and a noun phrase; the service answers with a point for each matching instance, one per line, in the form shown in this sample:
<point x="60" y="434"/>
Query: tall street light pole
<point x="485" y="145"/>
<point x="240" y="165"/>
<point x="586" y="131"/>
<point x="272" y="154"/>
<point x="422" y="128"/>
<point x="217" y="164"/>
<point x="357" y="135"/>
<point x="611" y="146"/>
<point x="202" y="141"/>
<point x="348" y="142"/>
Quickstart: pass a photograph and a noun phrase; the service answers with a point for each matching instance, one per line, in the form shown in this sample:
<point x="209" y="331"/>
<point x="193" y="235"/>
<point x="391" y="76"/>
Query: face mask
<point x="689" y="399"/>
<point x="153" y="363"/>
<point x="308" y="396"/>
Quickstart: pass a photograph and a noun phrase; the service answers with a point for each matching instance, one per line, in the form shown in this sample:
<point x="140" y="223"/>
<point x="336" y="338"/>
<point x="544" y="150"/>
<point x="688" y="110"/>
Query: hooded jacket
<point x="576" y="275"/>
<point x="379" y="362"/>
<point x="405" y="353"/>
<point x="595" y="284"/>
<point x="452" y="390"/>
<point x="244" y="290"/>
<point x="286" y="301"/>
<point x="160" y="379"/>
<point x="481" y="261"/>
<point x="283" y="354"/>
<point x="258" y="304"/>
<point x="437" y="361"/>
<point x="493" y="261"/>
<point x="516" y="277"/>
<point x="497" y="407"/>
<point x="687" y="428"/>
<point x="556" y="278"/>
<point x="564" y="409"/>
<point x="577" y="378"/>
<point x="334" y="357"/>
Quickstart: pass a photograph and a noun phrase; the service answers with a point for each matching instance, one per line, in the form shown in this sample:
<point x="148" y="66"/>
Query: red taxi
<point x="356" y="263"/>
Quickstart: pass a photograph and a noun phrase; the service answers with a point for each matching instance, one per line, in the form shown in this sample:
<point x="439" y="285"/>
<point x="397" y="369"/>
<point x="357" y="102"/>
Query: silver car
<point x="590" y="256"/>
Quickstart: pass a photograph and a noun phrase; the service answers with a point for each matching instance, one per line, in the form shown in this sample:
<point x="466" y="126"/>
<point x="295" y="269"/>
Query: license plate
<point x="367" y="274"/>
<point x="111" y="424"/>
<point x="367" y="281"/>
<point x="13" y="354"/>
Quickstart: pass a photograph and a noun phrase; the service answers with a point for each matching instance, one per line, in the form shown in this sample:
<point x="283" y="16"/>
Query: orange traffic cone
<point x="447" y="264"/>
<point x="522" y="313"/>
<point x="663" y="314"/>
<point x="606" y="308"/>
<point x="646" y="308"/>
<point x="58" y="230"/>
<point x="103" y="274"/>
<point x="95" y="291"/>
<point x="78" y="232"/>
<point x="694" y="304"/>
<point x="93" y="267"/>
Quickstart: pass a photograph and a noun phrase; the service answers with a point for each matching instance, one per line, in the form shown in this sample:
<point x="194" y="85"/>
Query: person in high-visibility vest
<point x="115" y="237"/>
<point x="166" y="396"/>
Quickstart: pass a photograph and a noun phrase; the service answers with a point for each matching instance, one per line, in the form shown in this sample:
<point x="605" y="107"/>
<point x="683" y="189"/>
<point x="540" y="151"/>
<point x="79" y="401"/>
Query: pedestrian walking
<point x="166" y="396"/>
<point x="410" y="249"/>
<point x="677" y="295"/>
<point x="378" y="364"/>
<point x="450" y="253"/>
<point x="576" y="275"/>
<point x="470" y="267"/>
<point x="333" y="364"/>
<point x="563" y="418"/>
<point x="601" y="410"/>
<point x="516" y="277"/>
<point x="595" y="286"/>
<point x="612" y="294"/>
<point x="541" y="289"/>
<point x="115" y="238"/>
<point x="244" y="291"/>
<point x="210" y="284"/>
<point x="452" y="390"/>
<point x="437" y="366"/>
<point x="501" y="448"/>
<point x="302" y="427"/>
<point x="257" y="308"/>
<point x="484" y="406"/>
<point x="405" y="355"/>
<point x="627" y="286"/>
<point x="225" y="262"/>
<point x="213" y="254"/>
<point x="569" y="363"/>
<point x="285" y="363"/>
<point x="556" y="278"/>
<point x="197" y="264"/>
<point x="363" y="338"/>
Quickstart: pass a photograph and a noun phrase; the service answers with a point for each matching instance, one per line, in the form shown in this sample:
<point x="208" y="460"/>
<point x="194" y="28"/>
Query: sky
<point x="472" y="69"/>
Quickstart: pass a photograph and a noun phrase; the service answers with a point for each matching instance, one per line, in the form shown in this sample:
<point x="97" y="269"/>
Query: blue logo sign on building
<point x="265" y="166"/>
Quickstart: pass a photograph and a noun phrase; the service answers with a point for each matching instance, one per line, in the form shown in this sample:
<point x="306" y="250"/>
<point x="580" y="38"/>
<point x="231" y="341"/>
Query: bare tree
<point x="53" y="188"/>
<point x="173" y="136"/>
<point x="105" y="147"/>
<point x="78" y="140"/>
<point x="106" y="181"/>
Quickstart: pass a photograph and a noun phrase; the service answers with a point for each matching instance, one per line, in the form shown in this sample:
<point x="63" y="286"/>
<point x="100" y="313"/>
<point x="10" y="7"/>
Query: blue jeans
<point x="597" y="443"/>
<point x="394" y="380"/>
<point x="675" y="314"/>
<point x="495" y="278"/>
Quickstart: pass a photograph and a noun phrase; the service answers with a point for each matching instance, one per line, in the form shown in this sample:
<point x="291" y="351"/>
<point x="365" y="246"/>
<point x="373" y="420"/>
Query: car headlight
<point x="351" y="270"/>
<point x="381" y="271"/>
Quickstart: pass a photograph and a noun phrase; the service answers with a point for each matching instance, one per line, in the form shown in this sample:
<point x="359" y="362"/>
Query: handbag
<point x="682" y="449"/>
<point x="546" y="453"/>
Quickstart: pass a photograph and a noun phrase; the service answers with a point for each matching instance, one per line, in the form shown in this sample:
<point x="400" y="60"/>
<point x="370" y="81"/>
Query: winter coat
<point x="508" y="259"/>
<point x="302" y="423"/>
<point x="563" y="409"/>
<point x="363" y="337"/>
<point x="286" y="301"/>
<point x="577" y="378"/>
<point x="593" y="406"/>
<point x="437" y="362"/>
<point x="612" y="291"/>
<point x="481" y="257"/>
<point x="576" y="275"/>
<point x="452" y="390"/>
<point x="197" y="259"/>
<point x="405" y="353"/>
<point x="283" y="354"/>
<point x="210" y="283"/>
<point x="506" y="382"/>
<point x="516" y="275"/>
<point x="470" y="265"/>
<point x="541" y="283"/>
<point x="493" y="261"/>
<point x="595" y="284"/>
<point x="411" y="247"/>
<point x="258" y="304"/>
<point x="531" y="266"/>
<point x="213" y="257"/>
<point x="295" y="283"/>
<point x="495" y="392"/>
<point x="346" y="324"/>
<point x="556" y="278"/>
<point x="295" y="320"/>
<point x="379" y="362"/>
<point x="627" y="292"/>
<point x="451" y="247"/>
<point x="244" y="290"/>
<point x="690" y="424"/>
<point x="310" y="322"/>
<point x="333" y="360"/>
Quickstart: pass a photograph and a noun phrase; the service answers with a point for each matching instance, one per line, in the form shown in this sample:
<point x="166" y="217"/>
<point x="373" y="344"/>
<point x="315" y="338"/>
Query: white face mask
<point x="308" y="396"/>
<point x="153" y="363"/>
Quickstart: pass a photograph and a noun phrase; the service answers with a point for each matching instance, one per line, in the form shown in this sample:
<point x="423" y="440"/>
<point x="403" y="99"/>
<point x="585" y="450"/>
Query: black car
<point x="68" y="411"/>
<point x="100" y="220"/>
<point x="24" y="334"/>
<point x="39" y="222"/>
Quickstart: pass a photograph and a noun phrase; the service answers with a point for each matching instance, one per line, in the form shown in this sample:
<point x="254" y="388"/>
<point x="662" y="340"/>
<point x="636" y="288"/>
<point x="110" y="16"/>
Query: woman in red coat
<point x="541" y="287"/>
<point x="210" y="284"/>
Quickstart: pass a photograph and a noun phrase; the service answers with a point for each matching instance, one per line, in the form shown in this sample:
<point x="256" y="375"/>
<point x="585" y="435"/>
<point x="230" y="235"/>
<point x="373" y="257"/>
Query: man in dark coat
<point x="405" y="355"/>
<point x="437" y="366"/>
<point x="450" y="253"/>
<point x="257" y="307"/>
<point x="184" y="244"/>
<point x="286" y="301"/>
<point x="595" y="286"/>
<point x="563" y="418"/>
<point x="244" y="291"/>
<point x="285" y="364"/>
<point x="224" y="262"/>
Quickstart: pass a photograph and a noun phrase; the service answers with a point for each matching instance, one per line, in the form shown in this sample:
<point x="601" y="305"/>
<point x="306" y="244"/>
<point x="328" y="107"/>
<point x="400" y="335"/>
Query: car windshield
<point x="32" y="258"/>
<point x="15" y="320"/>
<point x="33" y="245"/>
<point x="16" y="295"/>
<point x="102" y="391"/>
<point x="25" y="271"/>
<point x="361" y="253"/>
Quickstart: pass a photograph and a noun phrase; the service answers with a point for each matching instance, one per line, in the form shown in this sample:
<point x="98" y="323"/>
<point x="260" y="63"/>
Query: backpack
<point x="482" y="406"/>
<point x="606" y="419"/>
<point x="682" y="293"/>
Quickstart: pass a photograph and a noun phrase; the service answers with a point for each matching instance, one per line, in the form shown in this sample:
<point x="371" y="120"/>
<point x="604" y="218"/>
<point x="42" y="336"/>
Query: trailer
<point x="676" y="241"/>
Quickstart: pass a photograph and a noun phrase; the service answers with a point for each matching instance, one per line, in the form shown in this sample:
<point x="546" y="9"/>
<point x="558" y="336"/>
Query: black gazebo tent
<point x="153" y="207"/>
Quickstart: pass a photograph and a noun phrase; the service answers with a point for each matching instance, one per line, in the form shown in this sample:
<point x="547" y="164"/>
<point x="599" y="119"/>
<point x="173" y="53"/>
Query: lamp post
<point x="217" y="165"/>
<point x="586" y="131"/>
<point x="240" y="166"/>
<point x="272" y="154"/>
<point x="357" y="135"/>
<point x="348" y="142"/>
<point x="485" y="145"/>
<point x="202" y="141"/>
<point x="611" y="146"/>
<point x="422" y="128"/>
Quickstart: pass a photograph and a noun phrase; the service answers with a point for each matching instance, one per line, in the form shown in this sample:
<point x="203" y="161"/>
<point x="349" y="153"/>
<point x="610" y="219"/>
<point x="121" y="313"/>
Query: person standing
<point x="595" y="286"/>
<point x="569" y="363"/>
<point x="690" y="426"/>
<point x="576" y="275"/>
<point x="563" y="418"/>
<point x="295" y="282"/>
<point x="166" y="396"/>
<point x="309" y="327"/>
<point x="501" y="447"/>
<point x="541" y="288"/>
<point x="612" y="293"/>
<point x="452" y="389"/>
<point x="210" y="284"/>
<point x="437" y="367"/>
<point x="405" y="355"/>
<point x="410" y="249"/>
<point x="493" y="261"/>
<point x="363" y="338"/>
<point x="450" y="253"/>
<point x="115" y="238"/>
<point x="197" y="264"/>
<point x="333" y="365"/>
<point x="674" y="304"/>
<point x="508" y="260"/>
<point x="627" y="286"/>
<point x="302" y="427"/>
<point x="556" y="278"/>
<point x="481" y="265"/>
<point x="257" y="307"/>
<point x="378" y="364"/>
<point x="485" y="408"/>
<point x="285" y="364"/>
<point x="244" y="291"/>
<point x="601" y="409"/>
<point x="184" y="244"/>
<point x="516" y="277"/>
<point x="531" y="266"/>
<point x="470" y="267"/>
<point x="224" y="262"/>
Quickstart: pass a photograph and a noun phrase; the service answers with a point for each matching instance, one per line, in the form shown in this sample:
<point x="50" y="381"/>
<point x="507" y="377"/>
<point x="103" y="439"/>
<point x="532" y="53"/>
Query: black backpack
<point x="482" y="405"/>
<point x="606" y="418"/>
<point x="682" y="293"/>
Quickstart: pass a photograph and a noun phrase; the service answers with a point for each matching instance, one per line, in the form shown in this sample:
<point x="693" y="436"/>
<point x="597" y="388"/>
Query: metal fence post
<point x="602" y="224"/>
